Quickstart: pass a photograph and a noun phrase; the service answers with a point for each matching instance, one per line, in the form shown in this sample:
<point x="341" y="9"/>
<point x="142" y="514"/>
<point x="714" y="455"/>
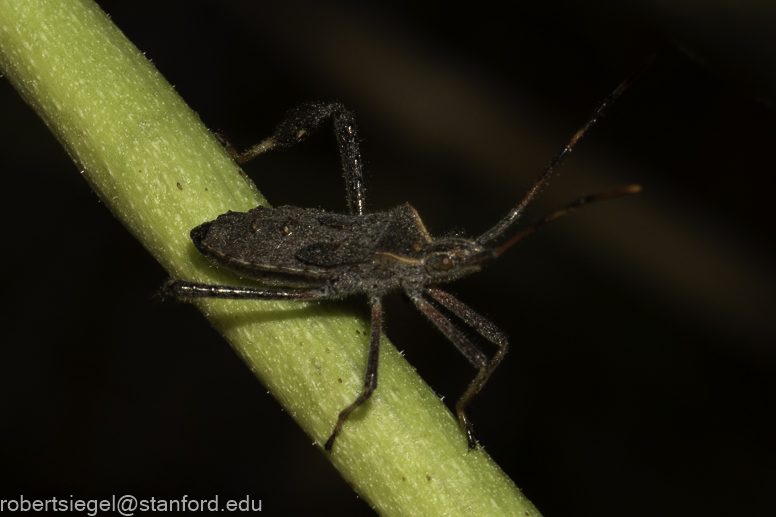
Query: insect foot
<point x="308" y="254"/>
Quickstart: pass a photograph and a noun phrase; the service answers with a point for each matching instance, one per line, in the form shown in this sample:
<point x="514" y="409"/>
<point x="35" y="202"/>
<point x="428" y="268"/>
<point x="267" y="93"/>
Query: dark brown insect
<point x="309" y="254"/>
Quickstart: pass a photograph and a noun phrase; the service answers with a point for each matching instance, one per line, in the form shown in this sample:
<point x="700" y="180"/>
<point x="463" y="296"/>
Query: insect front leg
<point x="304" y="120"/>
<point x="370" y="380"/>
<point x="475" y="356"/>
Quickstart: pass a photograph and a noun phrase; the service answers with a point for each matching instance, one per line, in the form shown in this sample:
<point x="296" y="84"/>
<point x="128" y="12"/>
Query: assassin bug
<point x="309" y="254"/>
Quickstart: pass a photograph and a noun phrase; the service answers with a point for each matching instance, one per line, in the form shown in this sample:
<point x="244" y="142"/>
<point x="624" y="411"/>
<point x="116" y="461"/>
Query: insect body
<point x="301" y="247"/>
<point x="309" y="254"/>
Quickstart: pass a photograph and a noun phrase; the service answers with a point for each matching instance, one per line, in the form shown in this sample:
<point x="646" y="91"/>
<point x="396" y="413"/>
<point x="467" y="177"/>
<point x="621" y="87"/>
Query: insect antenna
<point x="516" y="212"/>
<point x="623" y="191"/>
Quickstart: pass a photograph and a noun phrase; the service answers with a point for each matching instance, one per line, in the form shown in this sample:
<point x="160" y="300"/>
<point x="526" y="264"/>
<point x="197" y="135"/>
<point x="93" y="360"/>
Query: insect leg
<point x="185" y="290"/>
<point x="479" y="323"/>
<point x="304" y="120"/>
<point x="487" y="330"/>
<point x="370" y="380"/>
<point x="469" y="349"/>
<point x="473" y="390"/>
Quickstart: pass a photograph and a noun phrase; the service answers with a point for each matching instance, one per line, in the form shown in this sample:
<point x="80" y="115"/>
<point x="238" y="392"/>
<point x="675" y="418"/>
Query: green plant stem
<point x="159" y="170"/>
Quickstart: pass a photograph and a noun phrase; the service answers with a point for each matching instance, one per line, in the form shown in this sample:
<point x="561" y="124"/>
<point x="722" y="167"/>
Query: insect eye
<point x="444" y="262"/>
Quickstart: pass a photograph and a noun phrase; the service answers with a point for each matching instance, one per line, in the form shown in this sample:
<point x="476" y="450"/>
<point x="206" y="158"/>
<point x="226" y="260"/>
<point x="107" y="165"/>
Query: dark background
<point x="642" y="329"/>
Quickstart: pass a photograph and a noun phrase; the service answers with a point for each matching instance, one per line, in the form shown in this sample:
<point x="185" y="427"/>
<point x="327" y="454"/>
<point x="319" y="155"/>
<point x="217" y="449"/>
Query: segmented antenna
<point x="624" y="191"/>
<point x="516" y="212"/>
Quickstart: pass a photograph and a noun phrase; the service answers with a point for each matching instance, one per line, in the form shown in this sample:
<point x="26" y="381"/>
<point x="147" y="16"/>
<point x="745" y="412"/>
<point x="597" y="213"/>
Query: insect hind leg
<point x="302" y="121"/>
